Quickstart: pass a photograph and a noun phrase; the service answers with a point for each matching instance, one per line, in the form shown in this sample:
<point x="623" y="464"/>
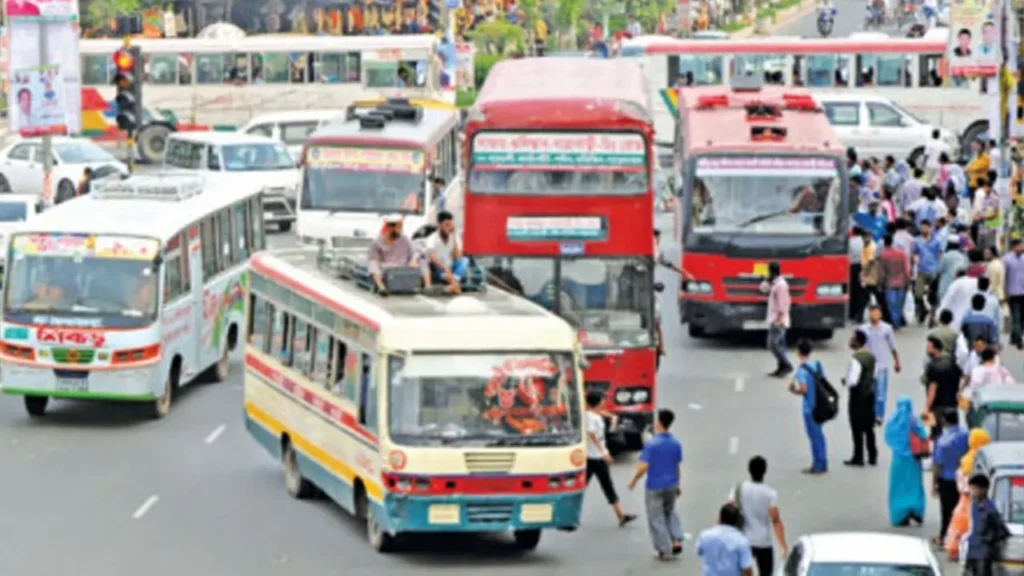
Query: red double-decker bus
<point x="763" y="180"/>
<point x="559" y="207"/>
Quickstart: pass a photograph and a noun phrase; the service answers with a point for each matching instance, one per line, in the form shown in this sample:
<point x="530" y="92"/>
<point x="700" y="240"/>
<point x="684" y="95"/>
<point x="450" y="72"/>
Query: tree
<point x="531" y="13"/>
<point x="497" y="36"/>
<point x="100" y="13"/>
<point x="568" y="16"/>
<point x="647" y="12"/>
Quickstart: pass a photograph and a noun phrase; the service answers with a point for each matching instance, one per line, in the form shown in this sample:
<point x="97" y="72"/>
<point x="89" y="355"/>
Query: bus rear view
<point x="763" y="181"/>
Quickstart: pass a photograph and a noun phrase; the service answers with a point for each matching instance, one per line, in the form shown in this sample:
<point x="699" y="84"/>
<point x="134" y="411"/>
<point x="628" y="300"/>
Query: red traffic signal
<point x="123" y="61"/>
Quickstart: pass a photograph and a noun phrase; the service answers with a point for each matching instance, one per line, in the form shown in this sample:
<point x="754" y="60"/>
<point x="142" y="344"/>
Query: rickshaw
<point x="1000" y="411"/>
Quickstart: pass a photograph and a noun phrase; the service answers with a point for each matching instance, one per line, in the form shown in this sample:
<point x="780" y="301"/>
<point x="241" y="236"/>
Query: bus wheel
<point x="526" y="539"/>
<point x="380" y="540"/>
<point x="284" y="226"/>
<point x="222" y="369"/>
<point x="162" y="405"/>
<point x="36" y="405"/>
<point x="695" y="331"/>
<point x="297" y="486"/>
<point x="151" y="143"/>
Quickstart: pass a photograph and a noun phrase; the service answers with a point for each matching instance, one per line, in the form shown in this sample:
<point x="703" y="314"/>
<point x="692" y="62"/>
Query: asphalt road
<point x="99" y="490"/>
<point x="849" y="20"/>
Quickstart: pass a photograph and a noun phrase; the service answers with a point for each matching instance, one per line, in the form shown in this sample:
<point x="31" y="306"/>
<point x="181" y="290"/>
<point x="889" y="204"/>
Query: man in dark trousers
<point x="860" y="380"/>
<point x="988" y="532"/>
<point x="949" y="449"/>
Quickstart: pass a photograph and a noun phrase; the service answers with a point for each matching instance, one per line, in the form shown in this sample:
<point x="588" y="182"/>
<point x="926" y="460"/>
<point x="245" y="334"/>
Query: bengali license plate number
<point x="72" y="384"/>
<point x="755" y="325"/>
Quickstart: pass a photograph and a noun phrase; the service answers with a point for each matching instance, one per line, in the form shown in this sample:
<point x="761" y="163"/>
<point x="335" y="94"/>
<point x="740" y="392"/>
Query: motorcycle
<point x="826" y="19"/>
<point x="875" y="17"/>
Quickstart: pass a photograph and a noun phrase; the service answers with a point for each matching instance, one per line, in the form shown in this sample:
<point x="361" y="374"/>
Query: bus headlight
<point x="694" y="287"/>
<point x="623" y="397"/>
<point x="641" y="396"/>
<point x="829" y="290"/>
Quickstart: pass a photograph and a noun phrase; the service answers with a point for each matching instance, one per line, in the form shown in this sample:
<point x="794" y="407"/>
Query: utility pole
<point x="44" y="59"/>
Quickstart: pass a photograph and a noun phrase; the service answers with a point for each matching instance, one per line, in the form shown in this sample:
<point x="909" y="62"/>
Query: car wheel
<point x="5" y="186"/>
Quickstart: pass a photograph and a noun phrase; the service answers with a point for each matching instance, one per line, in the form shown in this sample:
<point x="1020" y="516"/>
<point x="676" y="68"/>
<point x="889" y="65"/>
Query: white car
<point x="21" y="165"/>
<point x="854" y="553"/>
<point x="293" y="128"/>
<point x="15" y="209"/>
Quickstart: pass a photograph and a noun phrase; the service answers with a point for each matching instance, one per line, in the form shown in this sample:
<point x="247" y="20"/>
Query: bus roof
<point x="433" y="124"/>
<point x="145" y="215"/>
<point x="727" y="128"/>
<point x="595" y="90"/>
<point x="786" y="46"/>
<point x="385" y="45"/>
<point x="419" y="321"/>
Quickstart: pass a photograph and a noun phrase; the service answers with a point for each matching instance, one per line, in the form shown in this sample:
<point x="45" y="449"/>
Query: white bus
<point x="380" y="158"/>
<point x="415" y="412"/>
<point x="128" y="293"/>
<point x="223" y="83"/>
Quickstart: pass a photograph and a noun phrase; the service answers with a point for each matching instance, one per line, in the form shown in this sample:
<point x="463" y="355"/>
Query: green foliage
<point x="498" y="36"/>
<point x="99" y="12"/>
<point x="465" y="98"/>
<point x="647" y="12"/>
<point x="482" y="64"/>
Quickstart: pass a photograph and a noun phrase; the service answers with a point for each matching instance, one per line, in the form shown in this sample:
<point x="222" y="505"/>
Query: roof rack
<point x="378" y="116"/>
<point x="162" y="186"/>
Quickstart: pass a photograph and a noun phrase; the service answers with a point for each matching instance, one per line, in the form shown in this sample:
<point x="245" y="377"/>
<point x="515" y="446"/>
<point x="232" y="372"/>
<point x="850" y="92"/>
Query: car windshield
<point x="535" y="163"/>
<point x="13" y="211"/>
<point x="766" y="195"/>
<point x="867" y="569"/>
<point x="608" y="299"/>
<point x="1005" y="426"/>
<point x="84" y="152"/>
<point x="252" y="157"/>
<point x="484" y="399"/>
<point x="364" y="180"/>
<point x="107" y="278"/>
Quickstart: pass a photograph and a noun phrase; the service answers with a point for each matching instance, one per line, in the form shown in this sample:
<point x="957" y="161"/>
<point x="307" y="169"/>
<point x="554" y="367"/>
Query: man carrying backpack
<point x="860" y="380"/>
<point x="805" y="383"/>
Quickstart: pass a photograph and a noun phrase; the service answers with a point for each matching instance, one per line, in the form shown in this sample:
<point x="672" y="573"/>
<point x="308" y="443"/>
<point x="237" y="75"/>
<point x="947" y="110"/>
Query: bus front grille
<point x="751" y="286"/>
<point x="491" y="513"/>
<point x="489" y="462"/>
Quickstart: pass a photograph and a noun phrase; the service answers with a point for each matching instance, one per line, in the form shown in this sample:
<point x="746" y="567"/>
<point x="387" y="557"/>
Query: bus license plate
<point x="72" y="384"/>
<point x="755" y="325"/>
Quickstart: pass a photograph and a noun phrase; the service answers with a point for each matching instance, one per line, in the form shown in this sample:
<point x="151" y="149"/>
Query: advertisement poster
<point x="366" y="159"/>
<point x="464" y="71"/>
<point x="566" y="151"/>
<point x="974" y="38"/>
<point x="555" y="228"/>
<point x="27" y="21"/>
<point x="447" y="51"/>
<point x="39" y="100"/>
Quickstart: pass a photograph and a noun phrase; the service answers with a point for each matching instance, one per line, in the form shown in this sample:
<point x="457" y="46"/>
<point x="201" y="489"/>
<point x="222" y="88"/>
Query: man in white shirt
<point x="932" y="150"/>
<point x="927" y="205"/>
<point x="758" y="504"/>
<point x="445" y="252"/>
<point x="958" y="297"/>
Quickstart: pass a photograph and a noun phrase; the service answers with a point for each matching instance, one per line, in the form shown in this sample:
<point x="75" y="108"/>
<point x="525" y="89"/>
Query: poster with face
<point x="975" y="40"/>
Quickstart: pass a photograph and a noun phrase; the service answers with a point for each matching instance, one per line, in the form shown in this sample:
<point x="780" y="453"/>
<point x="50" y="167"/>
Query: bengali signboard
<point x="85" y="246"/>
<point x="556" y="228"/>
<point x="366" y="159"/>
<point x="974" y="39"/>
<point x="559" y="151"/>
<point x="766" y="165"/>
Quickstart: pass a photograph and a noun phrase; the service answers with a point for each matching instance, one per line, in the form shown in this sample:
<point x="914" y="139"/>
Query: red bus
<point x="764" y="179"/>
<point x="559" y="206"/>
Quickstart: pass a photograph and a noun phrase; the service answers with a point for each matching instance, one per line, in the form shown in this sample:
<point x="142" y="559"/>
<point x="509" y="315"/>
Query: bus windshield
<point x="342" y="179"/>
<point x="766" y="195"/>
<point x="484" y="399"/>
<point x="108" y="279"/>
<point x="570" y="163"/>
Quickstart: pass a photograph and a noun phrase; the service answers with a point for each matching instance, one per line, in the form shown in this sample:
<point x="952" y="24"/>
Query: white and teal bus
<point x="128" y="293"/>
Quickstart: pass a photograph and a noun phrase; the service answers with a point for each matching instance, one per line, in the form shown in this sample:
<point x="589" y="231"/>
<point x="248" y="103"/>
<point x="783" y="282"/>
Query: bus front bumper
<point x="741" y="316"/>
<point x="482" y="513"/>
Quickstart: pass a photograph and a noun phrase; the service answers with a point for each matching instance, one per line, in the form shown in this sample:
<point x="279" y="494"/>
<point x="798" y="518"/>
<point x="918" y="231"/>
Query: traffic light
<point x="128" y="81"/>
<point x="434" y="15"/>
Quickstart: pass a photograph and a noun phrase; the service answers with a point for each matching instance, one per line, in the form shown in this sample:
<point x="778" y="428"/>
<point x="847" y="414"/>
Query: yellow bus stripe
<point x="313" y="452"/>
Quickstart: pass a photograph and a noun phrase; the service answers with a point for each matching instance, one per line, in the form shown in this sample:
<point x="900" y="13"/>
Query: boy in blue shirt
<point x="660" y="461"/>
<point x="803" y="385"/>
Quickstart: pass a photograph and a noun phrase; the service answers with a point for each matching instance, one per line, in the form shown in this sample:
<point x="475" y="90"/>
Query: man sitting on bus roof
<point x="447" y="264"/>
<point x="392" y="249"/>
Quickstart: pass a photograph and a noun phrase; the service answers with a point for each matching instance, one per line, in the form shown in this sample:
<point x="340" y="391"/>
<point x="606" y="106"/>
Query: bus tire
<point x="695" y="331"/>
<point x="284" y="226"/>
<point x="294" y="483"/>
<point x="379" y="540"/>
<point x="162" y="405"/>
<point x="36" y="405"/>
<point x="5" y="186"/>
<point x="151" y="143"/>
<point x="527" y="540"/>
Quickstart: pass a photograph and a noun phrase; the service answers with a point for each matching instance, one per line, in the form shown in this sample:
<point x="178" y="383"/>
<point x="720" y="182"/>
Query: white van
<point x="877" y="126"/>
<point x="240" y="160"/>
<point x="15" y="210"/>
<point x="292" y="128"/>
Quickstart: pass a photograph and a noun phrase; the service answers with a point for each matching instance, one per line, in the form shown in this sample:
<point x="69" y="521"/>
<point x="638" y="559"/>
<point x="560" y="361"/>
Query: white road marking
<point x="236" y="387"/>
<point x="694" y="406"/>
<point x="739" y="384"/>
<point x="215" y="434"/>
<point x="734" y="445"/>
<point x="149" y="503"/>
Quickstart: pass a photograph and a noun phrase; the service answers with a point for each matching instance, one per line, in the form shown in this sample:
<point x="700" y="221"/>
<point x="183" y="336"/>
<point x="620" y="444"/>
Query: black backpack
<point x="826" y="399"/>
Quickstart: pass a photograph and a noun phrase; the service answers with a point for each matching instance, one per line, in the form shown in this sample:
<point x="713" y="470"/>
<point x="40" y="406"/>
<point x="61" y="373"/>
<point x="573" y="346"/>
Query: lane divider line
<point x="739" y="385"/>
<point x="734" y="445"/>
<point x="149" y="503"/>
<point x="215" y="434"/>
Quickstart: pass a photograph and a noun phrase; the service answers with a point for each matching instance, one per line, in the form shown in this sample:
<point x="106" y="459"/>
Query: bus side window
<point x="257" y="240"/>
<point x="173" y="282"/>
<point x="930" y="71"/>
<point x="322" y="356"/>
<point x="302" y="352"/>
<point x="283" y="337"/>
<point x="224" y="239"/>
<point x="368" y="394"/>
<point x="186" y="264"/>
<point x="260" y="313"/>
<point x="278" y="331"/>
<point x="241" y="232"/>
<point x="209" y="247"/>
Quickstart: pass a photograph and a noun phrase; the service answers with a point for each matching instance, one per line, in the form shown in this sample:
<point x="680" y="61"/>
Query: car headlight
<point x="695" y="287"/>
<point x="623" y="396"/>
<point x="829" y="290"/>
<point x="641" y="396"/>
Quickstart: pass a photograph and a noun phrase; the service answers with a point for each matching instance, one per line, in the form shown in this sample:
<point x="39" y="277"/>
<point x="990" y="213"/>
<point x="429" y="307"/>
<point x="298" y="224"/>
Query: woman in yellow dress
<point x="960" y="524"/>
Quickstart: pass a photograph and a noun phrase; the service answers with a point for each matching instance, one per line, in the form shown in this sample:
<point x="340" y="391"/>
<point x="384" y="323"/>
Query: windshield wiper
<point x="731" y="240"/>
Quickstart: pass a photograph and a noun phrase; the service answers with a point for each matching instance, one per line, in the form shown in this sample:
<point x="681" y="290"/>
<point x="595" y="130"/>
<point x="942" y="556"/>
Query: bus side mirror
<point x="659" y="287"/>
<point x="157" y="261"/>
<point x="583" y="364"/>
